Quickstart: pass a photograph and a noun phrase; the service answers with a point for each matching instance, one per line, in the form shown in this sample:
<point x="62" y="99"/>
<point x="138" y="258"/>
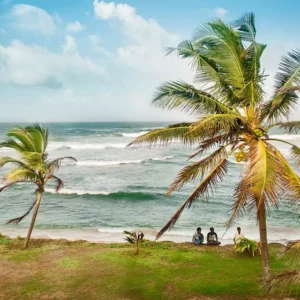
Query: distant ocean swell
<point x="97" y="163"/>
<point x="105" y="194"/>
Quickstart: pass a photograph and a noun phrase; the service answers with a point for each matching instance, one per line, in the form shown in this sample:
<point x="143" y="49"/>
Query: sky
<point x="93" y="60"/>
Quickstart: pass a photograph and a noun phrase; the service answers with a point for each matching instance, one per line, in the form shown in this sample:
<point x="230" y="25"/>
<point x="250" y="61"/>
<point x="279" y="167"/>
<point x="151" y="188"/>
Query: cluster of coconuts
<point x="259" y="132"/>
<point x="241" y="155"/>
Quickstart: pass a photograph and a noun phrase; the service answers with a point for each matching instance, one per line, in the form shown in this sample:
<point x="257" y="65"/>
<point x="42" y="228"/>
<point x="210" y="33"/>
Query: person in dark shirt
<point x="198" y="237"/>
<point x="212" y="238"/>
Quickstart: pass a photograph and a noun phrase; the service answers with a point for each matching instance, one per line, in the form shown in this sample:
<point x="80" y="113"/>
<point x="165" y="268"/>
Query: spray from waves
<point x="106" y="195"/>
<point x="99" y="163"/>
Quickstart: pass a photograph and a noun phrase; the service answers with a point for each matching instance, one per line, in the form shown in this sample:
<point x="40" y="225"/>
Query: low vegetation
<point x="59" y="269"/>
<point x="136" y="239"/>
<point x="250" y="247"/>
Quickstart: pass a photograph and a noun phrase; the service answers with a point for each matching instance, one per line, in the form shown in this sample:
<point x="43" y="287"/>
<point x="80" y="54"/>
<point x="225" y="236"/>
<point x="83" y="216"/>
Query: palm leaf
<point x="172" y="134"/>
<point x="287" y="278"/>
<point x="225" y="48"/>
<point x="217" y="124"/>
<point x="20" y="174"/>
<point x="284" y="99"/>
<point x="22" y="137"/>
<point x="55" y="164"/>
<point x="208" y="183"/>
<point x="59" y="182"/>
<point x="185" y="97"/>
<point x="19" y="219"/>
<point x="197" y="169"/>
<point x="246" y="27"/>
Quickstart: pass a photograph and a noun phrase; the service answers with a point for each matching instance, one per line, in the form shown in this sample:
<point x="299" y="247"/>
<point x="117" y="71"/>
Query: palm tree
<point x="233" y="116"/>
<point x="33" y="167"/>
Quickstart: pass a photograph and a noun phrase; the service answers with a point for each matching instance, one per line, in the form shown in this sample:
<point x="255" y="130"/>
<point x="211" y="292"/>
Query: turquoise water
<point x="113" y="187"/>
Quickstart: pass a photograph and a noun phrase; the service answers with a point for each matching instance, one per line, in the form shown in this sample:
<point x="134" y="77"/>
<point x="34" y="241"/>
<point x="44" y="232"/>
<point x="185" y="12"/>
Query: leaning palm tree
<point x="233" y="117"/>
<point x="32" y="167"/>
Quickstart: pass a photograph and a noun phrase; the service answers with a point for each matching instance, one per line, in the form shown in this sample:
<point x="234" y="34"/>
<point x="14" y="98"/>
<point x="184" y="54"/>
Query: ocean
<point x="114" y="188"/>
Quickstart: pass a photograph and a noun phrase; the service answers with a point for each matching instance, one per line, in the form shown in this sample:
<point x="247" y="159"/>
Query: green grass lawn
<point x="81" y="270"/>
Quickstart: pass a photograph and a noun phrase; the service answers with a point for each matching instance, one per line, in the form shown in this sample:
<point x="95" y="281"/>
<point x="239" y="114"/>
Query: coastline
<point x="114" y="235"/>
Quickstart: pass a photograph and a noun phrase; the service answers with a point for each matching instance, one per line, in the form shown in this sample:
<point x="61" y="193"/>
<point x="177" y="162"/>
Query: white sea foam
<point x="162" y="158"/>
<point x="99" y="163"/>
<point x="134" y="134"/>
<point x="77" y="146"/>
<point x="65" y="191"/>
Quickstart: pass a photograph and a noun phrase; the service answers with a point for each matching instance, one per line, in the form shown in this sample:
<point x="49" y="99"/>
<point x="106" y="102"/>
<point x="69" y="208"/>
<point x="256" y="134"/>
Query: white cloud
<point x="34" y="65"/>
<point x="95" y="39"/>
<point x="70" y="47"/>
<point x="31" y="18"/>
<point x="220" y="12"/>
<point x="75" y="27"/>
<point x="146" y="41"/>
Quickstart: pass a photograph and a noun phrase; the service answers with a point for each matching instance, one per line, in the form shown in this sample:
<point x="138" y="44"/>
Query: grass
<point x="80" y="270"/>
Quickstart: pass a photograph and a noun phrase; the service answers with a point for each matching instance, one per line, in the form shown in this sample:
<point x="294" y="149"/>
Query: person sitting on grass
<point x="238" y="236"/>
<point x="212" y="238"/>
<point x="198" y="237"/>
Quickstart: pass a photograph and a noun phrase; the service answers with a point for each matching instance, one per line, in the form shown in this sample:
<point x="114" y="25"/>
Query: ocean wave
<point x="99" y="163"/>
<point x="134" y="134"/>
<point x="78" y="146"/>
<point x="105" y="194"/>
<point x="76" y="192"/>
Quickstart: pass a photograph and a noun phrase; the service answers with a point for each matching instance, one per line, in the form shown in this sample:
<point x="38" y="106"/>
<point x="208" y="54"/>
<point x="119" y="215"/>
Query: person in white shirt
<point x="238" y="235"/>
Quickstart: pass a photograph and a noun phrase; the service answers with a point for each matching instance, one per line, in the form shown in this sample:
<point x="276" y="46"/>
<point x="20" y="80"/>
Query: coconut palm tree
<point x="33" y="165"/>
<point x="233" y="117"/>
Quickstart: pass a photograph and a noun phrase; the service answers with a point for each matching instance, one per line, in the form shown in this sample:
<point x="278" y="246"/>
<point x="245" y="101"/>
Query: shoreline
<point x="95" y="235"/>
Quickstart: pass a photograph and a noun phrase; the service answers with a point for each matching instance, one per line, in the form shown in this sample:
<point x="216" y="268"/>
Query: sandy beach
<point x="105" y="235"/>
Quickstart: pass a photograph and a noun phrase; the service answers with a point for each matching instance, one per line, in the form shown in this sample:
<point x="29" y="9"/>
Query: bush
<point x="247" y="246"/>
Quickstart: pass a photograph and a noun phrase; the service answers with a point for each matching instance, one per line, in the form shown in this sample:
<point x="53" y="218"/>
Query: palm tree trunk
<point x="36" y="209"/>
<point x="264" y="243"/>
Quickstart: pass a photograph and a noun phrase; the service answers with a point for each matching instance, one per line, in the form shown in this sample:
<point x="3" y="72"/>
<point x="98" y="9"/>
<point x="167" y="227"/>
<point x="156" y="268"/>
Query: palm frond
<point x="164" y="136"/>
<point x="208" y="71"/>
<point x="212" y="142"/>
<point x="290" y="127"/>
<point x="217" y="124"/>
<point x="55" y="164"/>
<point x="10" y="183"/>
<point x="39" y="136"/>
<point x="185" y="97"/>
<point x="20" y="174"/>
<point x="6" y="160"/>
<point x="245" y="26"/>
<point x="13" y="144"/>
<point x="208" y="184"/>
<point x="296" y="155"/>
<point x="19" y="219"/>
<point x="285" y="98"/>
<point x="286" y="278"/>
<point x="197" y="169"/>
<point x="59" y="182"/>
<point x="22" y="137"/>
<point x="224" y="47"/>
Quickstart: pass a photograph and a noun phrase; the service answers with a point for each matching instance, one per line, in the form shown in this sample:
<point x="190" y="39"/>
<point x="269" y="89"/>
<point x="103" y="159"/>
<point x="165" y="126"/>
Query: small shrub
<point x="4" y="240"/>
<point x="247" y="246"/>
<point x="135" y="239"/>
